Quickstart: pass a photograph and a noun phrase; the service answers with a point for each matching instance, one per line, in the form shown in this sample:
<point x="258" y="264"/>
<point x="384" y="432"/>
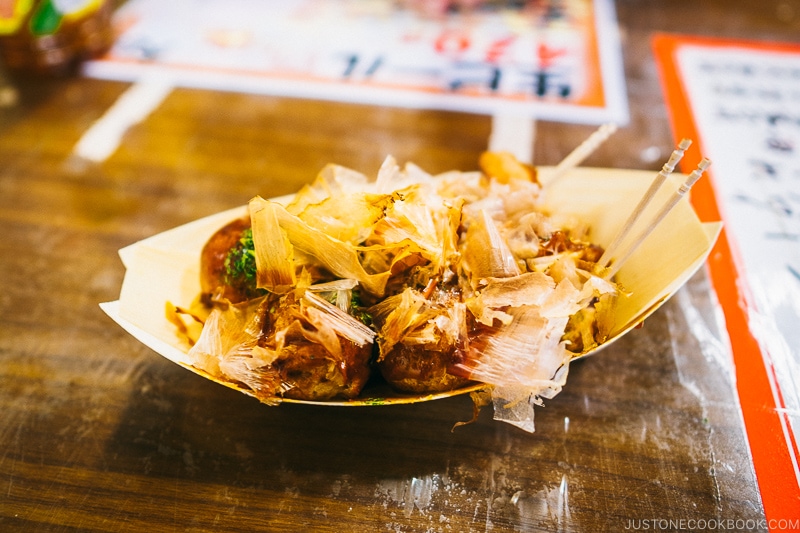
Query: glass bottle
<point x="53" y="36"/>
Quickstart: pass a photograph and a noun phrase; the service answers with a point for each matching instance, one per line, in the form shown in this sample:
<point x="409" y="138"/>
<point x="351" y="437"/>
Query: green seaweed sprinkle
<point x="240" y="263"/>
<point x="357" y="308"/>
<point x="375" y="401"/>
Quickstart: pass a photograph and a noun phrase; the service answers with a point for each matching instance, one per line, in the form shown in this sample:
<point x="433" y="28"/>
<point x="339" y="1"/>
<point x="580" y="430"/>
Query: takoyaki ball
<point x="308" y="369"/>
<point x="419" y="370"/>
<point x="312" y="375"/>
<point x="227" y="267"/>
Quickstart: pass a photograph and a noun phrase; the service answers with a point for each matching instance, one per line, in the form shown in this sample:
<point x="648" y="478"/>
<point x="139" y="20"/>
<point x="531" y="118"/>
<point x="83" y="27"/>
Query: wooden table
<point x="98" y="433"/>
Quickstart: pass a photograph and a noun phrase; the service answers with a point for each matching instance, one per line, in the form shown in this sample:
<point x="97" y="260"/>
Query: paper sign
<point x="554" y="60"/>
<point x="741" y="101"/>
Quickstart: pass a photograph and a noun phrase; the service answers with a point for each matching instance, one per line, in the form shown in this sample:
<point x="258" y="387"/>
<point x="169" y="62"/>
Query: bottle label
<point x="76" y="8"/>
<point x="49" y="14"/>
<point x="12" y="13"/>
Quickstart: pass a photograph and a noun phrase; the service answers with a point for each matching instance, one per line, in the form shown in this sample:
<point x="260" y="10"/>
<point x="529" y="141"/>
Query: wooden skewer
<point x="584" y="150"/>
<point x="666" y="170"/>
<point x="665" y="209"/>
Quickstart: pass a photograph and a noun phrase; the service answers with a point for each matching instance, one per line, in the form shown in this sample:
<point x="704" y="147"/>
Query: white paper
<point x="746" y="105"/>
<point x="552" y="60"/>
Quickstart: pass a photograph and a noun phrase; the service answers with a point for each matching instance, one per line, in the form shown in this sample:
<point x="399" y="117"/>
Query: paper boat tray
<point x="165" y="268"/>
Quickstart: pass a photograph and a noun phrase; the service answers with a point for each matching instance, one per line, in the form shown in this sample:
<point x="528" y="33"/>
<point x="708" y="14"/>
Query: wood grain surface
<point x="98" y="433"/>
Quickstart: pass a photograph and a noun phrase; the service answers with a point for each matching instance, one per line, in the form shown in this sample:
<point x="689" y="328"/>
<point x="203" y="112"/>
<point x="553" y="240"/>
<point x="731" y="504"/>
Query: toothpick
<point x="583" y="151"/>
<point x="658" y="181"/>
<point x="665" y="209"/>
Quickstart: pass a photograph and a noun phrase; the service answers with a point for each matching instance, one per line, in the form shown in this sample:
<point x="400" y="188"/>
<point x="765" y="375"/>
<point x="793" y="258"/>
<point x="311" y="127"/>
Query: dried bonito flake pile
<point x="430" y="282"/>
